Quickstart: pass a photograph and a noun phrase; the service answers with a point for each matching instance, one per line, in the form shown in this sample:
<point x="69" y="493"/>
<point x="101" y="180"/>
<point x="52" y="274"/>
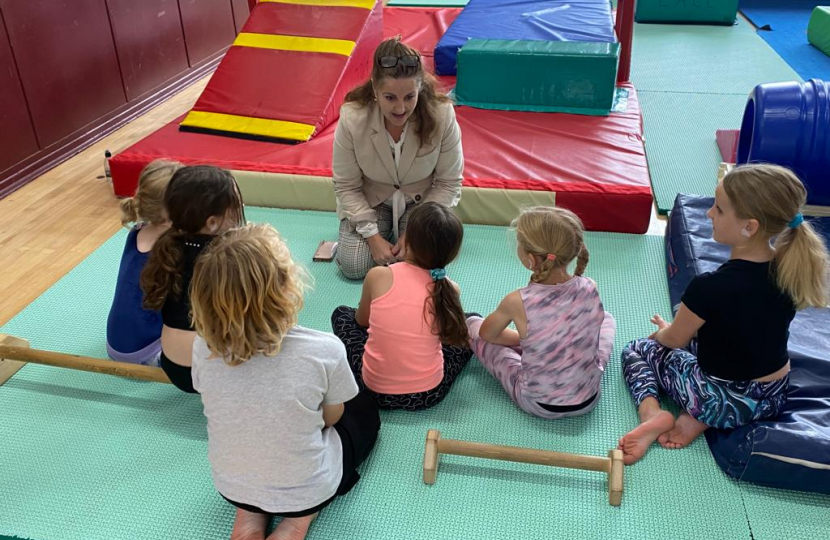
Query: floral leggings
<point x="354" y="337"/>
<point x="649" y="367"/>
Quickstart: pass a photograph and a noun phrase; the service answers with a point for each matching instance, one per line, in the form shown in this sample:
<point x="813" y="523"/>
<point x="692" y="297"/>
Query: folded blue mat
<point x="532" y="20"/>
<point x="793" y="450"/>
<point x="783" y="25"/>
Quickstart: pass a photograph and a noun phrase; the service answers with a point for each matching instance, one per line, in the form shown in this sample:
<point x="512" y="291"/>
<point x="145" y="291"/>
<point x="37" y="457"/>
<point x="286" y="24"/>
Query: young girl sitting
<point x="737" y="370"/>
<point x="551" y="365"/>
<point x="410" y="309"/>
<point x="134" y="333"/>
<point x="285" y="430"/>
<point x="201" y="202"/>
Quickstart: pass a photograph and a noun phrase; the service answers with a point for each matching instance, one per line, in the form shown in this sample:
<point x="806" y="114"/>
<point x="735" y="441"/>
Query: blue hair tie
<point x="438" y="273"/>
<point x="797" y="220"/>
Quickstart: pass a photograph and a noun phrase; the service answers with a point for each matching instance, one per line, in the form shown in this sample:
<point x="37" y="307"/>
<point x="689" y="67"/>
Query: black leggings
<point x="179" y="375"/>
<point x="358" y="429"/>
<point x="354" y="337"/>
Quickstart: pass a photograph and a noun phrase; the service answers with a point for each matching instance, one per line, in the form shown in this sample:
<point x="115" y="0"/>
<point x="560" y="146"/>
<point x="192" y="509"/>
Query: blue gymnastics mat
<point x="783" y="25"/>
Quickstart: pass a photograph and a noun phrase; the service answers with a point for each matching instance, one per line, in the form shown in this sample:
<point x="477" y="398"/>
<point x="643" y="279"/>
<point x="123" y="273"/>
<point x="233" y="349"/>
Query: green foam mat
<point x="776" y="514"/>
<point x="682" y="153"/>
<point x="693" y="11"/>
<point x="709" y="59"/>
<point x="92" y="457"/>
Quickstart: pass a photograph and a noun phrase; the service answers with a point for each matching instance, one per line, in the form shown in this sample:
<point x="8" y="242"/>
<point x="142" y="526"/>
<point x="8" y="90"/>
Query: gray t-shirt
<point x="266" y="442"/>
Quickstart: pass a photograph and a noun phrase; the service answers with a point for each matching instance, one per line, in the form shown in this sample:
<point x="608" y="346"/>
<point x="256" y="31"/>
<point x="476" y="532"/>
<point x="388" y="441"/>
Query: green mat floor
<point x="92" y="457"/>
<point x="693" y="80"/>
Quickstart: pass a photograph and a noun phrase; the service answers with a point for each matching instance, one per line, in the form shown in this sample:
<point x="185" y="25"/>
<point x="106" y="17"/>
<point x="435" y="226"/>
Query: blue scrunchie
<point x="796" y="221"/>
<point x="438" y="273"/>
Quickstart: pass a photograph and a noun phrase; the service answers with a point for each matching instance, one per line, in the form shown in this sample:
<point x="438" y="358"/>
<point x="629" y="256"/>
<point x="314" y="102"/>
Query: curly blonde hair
<point x="246" y="293"/>
<point x="549" y="230"/>
<point x="148" y="202"/>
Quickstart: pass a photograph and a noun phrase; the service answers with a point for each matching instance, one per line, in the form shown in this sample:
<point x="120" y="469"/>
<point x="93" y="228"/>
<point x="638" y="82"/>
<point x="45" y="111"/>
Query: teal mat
<point x="683" y="156"/>
<point x="692" y="81"/>
<point x="90" y="457"/>
<point x="709" y="59"/>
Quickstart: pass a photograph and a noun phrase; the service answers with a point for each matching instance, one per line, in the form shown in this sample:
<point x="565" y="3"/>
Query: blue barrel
<point x="789" y="124"/>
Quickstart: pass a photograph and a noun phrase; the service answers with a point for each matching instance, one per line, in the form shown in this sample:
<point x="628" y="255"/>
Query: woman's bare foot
<point x="654" y="422"/>
<point x="686" y="429"/>
<point x="293" y="528"/>
<point x="249" y="525"/>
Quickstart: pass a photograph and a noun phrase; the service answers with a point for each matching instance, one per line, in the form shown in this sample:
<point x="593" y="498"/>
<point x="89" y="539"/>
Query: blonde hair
<point x="773" y="196"/>
<point x="246" y="293"/>
<point x="548" y="230"/>
<point x="148" y="202"/>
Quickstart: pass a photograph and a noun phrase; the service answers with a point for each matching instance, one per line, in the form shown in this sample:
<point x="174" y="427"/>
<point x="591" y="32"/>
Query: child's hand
<point x="660" y="323"/>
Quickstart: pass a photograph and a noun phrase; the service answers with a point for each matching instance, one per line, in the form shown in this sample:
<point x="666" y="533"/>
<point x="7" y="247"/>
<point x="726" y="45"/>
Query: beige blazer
<point x="364" y="169"/>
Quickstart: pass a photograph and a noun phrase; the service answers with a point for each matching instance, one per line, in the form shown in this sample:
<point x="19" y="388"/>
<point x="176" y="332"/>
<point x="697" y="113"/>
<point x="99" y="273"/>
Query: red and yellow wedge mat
<point x="595" y="166"/>
<point x="286" y="74"/>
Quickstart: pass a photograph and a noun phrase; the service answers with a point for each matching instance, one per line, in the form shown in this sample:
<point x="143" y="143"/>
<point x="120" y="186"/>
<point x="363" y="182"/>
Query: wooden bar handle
<point x="524" y="455"/>
<point x="83" y="363"/>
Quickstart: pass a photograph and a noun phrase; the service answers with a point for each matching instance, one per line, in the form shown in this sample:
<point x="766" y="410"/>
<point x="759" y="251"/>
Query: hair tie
<point x="796" y="221"/>
<point x="438" y="273"/>
<point x="550" y="257"/>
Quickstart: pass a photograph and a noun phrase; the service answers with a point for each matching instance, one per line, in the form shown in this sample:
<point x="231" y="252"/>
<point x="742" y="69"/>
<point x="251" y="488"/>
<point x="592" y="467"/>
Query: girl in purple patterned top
<point x="551" y="365"/>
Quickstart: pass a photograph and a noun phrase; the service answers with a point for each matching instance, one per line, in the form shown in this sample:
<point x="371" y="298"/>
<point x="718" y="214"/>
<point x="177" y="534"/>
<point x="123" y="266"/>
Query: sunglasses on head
<point x="392" y="61"/>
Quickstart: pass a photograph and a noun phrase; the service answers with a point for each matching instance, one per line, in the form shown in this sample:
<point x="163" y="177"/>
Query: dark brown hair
<point x="193" y="195"/>
<point x="433" y="240"/>
<point x="429" y="96"/>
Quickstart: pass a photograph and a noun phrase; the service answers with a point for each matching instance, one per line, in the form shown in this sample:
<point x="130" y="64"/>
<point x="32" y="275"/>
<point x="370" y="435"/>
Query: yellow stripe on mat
<point x="295" y="43"/>
<point x="263" y="127"/>
<point x="365" y="4"/>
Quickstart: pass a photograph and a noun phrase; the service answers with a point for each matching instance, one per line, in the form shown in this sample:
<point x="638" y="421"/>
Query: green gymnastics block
<point x="687" y="11"/>
<point x="818" y="30"/>
<point x="539" y="76"/>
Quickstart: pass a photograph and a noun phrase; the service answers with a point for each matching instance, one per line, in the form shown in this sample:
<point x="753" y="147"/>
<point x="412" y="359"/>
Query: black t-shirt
<point x="747" y="320"/>
<point x="176" y="310"/>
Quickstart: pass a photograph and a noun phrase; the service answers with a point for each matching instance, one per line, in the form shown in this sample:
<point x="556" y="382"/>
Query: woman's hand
<point x="661" y="324"/>
<point x="381" y="250"/>
<point x="399" y="249"/>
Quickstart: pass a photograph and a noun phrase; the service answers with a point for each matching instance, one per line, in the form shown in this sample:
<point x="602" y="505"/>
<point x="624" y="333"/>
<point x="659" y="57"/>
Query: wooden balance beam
<point x="14" y="351"/>
<point x="612" y="465"/>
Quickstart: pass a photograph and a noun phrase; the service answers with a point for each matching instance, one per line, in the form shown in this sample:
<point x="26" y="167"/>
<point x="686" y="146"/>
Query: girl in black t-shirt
<point x="201" y="202"/>
<point x="736" y="370"/>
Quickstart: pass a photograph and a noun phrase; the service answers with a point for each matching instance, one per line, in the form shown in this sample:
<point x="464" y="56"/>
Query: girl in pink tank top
<point x="551" y="365"/>
<point x="408" y="340"/>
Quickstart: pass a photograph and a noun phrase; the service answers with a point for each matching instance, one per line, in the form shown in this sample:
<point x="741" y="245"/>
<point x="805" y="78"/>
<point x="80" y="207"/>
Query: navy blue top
<point x="130" y="327"/>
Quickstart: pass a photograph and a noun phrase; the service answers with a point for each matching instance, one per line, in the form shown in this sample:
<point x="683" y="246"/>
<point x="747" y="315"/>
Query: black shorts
<point x="358" y="430"/>
<point x="179" y="375"/>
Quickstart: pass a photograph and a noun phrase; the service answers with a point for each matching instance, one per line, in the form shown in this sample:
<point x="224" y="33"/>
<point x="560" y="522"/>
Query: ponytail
<point x="162" y="275"/>
<point x="802" y="266"/>
<point x="450" y="322"/>
<point x="582" y="260"/>
<point x="541" y="273"/>
<point x="129" y="211"/>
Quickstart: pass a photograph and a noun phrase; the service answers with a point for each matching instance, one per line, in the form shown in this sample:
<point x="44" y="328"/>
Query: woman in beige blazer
<point x="397" y="144"/>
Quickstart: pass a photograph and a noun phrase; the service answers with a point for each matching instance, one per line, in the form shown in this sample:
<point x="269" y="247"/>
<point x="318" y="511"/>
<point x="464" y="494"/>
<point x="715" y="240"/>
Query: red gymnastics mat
<point x="595" y="166"/>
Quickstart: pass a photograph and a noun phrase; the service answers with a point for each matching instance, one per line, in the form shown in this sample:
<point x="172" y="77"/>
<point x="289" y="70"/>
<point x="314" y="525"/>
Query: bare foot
<point x="249" y="525"/>
<point x="293" y="528"/>
<point x="686" y="429"/>
<point x="635" y="443"/>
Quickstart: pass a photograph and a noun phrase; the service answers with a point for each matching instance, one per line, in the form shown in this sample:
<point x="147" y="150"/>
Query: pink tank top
<point x="402" y="355"/>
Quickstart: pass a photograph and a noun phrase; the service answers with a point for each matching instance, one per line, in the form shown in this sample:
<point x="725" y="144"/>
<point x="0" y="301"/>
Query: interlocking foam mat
<point x="92" y="457"/>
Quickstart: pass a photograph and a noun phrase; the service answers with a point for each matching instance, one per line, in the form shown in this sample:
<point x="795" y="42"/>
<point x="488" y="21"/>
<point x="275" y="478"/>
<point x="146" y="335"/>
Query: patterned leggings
<point x="354" y="337"/>
<point x="649" y="367"/>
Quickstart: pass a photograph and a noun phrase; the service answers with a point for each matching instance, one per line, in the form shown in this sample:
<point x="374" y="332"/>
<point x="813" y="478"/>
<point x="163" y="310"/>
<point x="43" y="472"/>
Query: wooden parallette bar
<point x="16" y="349"/>
<point x="612" y="465"/>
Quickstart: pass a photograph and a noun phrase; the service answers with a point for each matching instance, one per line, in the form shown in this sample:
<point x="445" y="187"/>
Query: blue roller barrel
<point x="789" y="124"/>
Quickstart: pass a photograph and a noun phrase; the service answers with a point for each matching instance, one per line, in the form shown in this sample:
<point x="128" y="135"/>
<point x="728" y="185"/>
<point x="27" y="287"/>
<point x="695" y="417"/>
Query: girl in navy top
<point x="134" y="333"/>
<point x="736" y="371"/>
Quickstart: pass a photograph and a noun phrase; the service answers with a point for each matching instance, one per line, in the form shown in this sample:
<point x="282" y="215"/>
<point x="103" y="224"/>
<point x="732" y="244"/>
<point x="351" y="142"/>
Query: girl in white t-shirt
<point x="286" y="425"/>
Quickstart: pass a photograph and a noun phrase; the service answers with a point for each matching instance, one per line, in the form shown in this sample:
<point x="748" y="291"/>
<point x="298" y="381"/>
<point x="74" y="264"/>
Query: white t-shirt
<point x="266" y="442"/>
